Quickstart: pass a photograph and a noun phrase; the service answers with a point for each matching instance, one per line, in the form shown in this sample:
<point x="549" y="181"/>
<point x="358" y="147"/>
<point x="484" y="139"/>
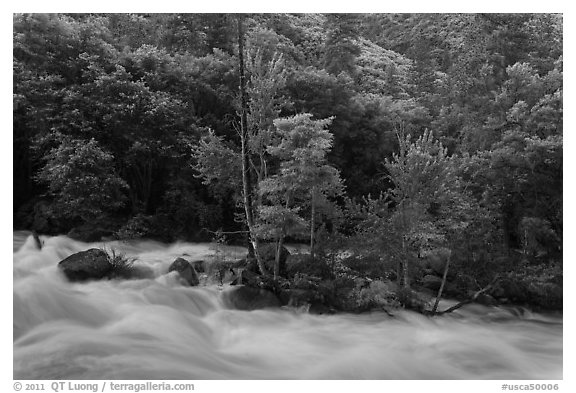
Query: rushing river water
<point x="158" y="329"/>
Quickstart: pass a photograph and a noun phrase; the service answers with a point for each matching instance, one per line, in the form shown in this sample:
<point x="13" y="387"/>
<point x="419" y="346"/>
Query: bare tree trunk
<point x="455" y="307"/>
<point x="404" y="262"/>
<point x="405" y="256"/>
<point x="279" y="246"/>
<point x="312" y="223"/>
<point x="439" y="295"/>
<point x="406" y="276"/>
<point x="244" y="136"/>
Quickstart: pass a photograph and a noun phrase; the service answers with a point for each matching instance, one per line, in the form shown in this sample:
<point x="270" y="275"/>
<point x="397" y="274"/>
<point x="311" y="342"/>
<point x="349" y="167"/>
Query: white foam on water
<point x="155" y="328"/>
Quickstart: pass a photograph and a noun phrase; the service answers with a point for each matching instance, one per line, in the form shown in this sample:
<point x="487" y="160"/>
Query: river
<point x="157" y="329"/>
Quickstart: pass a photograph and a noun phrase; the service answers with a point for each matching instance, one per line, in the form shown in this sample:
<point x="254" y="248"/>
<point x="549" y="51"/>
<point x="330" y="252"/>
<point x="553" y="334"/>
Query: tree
<point x="247" y="185"/>
<point x="422" y="174"/>
<point x="341" y="48"/>
<point x="304" y="178"/>
<point x="267" y="79"/>
<point x="81" y="178"/>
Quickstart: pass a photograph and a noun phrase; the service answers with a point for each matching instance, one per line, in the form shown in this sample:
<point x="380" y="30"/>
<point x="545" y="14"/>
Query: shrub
<point x="81" y="177"/>
<point x="305" y="264"/>
<point x="378" y="294"/>
<point x="137" y="227"/>
<point x="369" y="266"/>
<point x="122" y="265"/>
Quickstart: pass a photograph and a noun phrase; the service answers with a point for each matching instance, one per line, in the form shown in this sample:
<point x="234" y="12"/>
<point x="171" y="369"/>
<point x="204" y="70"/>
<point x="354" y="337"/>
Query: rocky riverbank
<point x="316" y="286"/>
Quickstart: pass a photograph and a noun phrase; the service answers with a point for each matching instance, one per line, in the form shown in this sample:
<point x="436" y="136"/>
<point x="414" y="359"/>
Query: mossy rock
<point x="92" y="264"/>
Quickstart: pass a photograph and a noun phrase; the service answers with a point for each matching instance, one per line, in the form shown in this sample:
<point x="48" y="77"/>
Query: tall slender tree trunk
<point x="244" y="137"/>
<point x="405" y="256"/>
<point x="312" y="222"/>
<point x="279" y="246"/>
<point x="406" y="281"/>
<point x="439" y="295"/>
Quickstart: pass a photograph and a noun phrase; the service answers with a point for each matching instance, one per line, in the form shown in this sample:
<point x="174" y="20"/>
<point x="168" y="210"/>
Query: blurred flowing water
<point x="157" y="329"/>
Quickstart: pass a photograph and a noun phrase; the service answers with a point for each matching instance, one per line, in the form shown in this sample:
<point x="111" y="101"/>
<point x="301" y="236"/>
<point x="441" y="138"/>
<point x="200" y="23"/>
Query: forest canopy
<point x="400" y="133"/>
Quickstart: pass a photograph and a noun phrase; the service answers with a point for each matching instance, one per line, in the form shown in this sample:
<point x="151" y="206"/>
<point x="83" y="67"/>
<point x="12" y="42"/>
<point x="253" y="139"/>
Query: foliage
<point x="340" y="47"/>
<point x="132" y="120"/>
<point x="302" y="178"/>
<point x="122" y="266"/>
<point x="378" y="295"/>
<point x="81" y="178"/>
<point x="216" y="162"/>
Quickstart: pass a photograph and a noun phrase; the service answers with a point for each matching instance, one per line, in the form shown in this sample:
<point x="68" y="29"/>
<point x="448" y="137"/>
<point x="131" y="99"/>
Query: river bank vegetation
<point x="416" y="155"/>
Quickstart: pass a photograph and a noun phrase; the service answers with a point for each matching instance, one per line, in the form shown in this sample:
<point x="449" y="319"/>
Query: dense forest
<point x="410" y="148"/>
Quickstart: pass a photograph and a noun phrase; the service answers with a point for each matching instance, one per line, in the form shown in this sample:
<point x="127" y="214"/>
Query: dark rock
<point x="248" y="278"/>
<point x="220" y="272"/>
<point x="186" y="271"/>
<point x="246" y="298"/>
<point x="431" y="282"/>
<point x="198" y="266"/>
<point x="37" y="240"/>
<point x="41" y="221"/>
<point x="298" y="297"/>
<point x="91" y="264"/>
<point x="131" y="273"/>
<point x="319" y="308"/>
<point x="512" y="289"/>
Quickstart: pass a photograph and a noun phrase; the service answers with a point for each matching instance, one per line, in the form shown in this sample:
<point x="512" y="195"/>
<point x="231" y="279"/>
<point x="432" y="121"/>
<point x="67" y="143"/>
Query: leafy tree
<point x="341" y="49"/>
<point x="147" y="87"/>
<point x="423" y="175"/>
<point x="267" y="79"/>
<point x="80" y="176"/>
<point x="304" y="178"/>
<point x="247" y="183"/>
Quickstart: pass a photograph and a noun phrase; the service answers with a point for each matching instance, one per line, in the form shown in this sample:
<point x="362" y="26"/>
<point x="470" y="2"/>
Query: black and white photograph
<point x="287" y="196"/>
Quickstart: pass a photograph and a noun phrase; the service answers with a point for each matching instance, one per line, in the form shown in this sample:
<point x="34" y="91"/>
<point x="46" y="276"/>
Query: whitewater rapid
<point x="155" y="328"/>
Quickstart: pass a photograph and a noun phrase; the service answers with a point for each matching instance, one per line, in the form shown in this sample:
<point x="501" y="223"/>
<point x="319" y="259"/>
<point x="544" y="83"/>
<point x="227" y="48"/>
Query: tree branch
<point x="467" y="301"/>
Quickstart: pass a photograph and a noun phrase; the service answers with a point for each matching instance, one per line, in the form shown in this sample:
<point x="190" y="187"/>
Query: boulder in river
<point x="247" y="298"/>
<point x="198" y="266"/>
<point x="91" y="264"/>
<point x="186" y="271"/>
<point x="220" y="272"/>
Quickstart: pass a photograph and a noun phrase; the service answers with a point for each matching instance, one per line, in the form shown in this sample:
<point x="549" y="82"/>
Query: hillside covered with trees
<point x="405" y="148"/>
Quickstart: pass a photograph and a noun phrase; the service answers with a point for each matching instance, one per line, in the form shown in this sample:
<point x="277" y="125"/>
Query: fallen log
<point x="472" y="299"/>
